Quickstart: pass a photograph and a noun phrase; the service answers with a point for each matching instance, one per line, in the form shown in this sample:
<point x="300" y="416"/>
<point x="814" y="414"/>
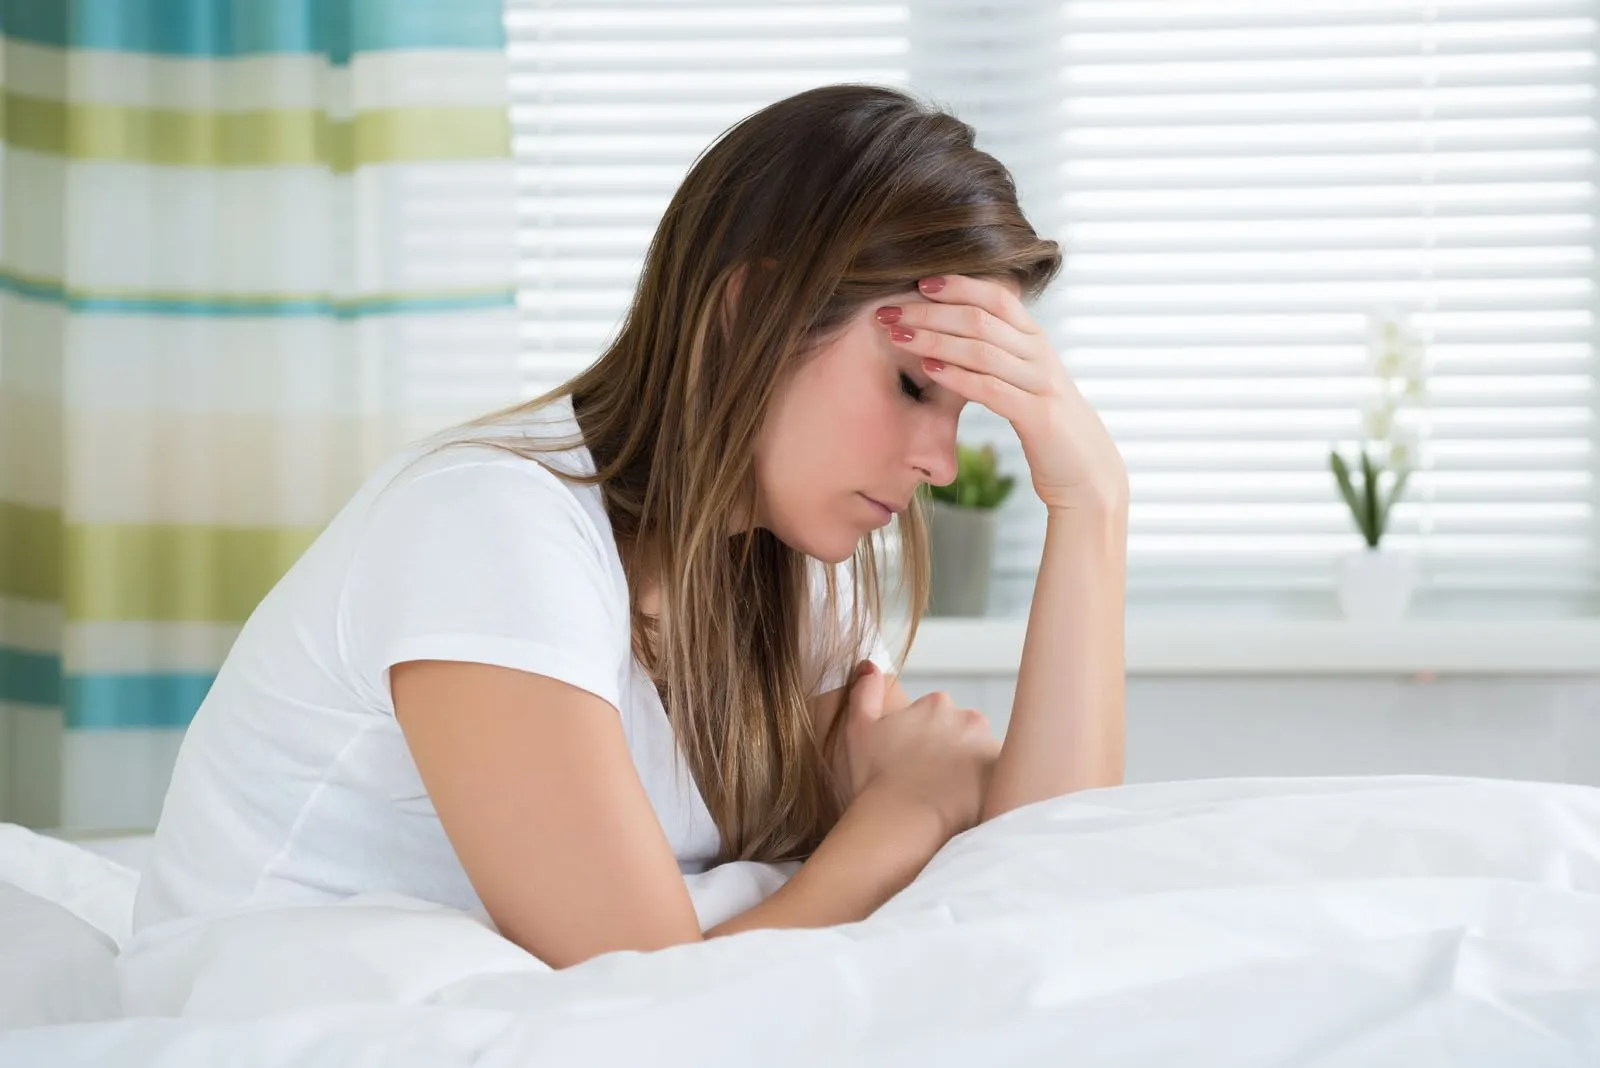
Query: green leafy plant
<point x="978" y="483"/>
<point x="1389" y="450"/>
<point x="1369" y="503"/>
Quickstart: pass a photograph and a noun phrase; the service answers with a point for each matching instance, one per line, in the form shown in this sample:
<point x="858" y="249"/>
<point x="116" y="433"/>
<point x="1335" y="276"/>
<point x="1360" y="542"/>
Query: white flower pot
<point x="1375" y="585"/>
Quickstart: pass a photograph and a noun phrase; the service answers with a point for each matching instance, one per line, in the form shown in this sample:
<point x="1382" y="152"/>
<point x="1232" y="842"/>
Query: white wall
<point x="1545" y="728"/>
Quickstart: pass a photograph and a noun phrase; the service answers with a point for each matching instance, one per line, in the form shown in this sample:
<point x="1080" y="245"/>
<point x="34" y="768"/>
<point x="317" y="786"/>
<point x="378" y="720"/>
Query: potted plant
<point x="961" y="528"/>
<point x="1376" y="582"/>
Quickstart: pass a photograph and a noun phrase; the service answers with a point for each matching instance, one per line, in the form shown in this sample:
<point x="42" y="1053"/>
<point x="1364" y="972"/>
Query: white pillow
<point x="96" y="889"/>
<point x="56" y="968"/>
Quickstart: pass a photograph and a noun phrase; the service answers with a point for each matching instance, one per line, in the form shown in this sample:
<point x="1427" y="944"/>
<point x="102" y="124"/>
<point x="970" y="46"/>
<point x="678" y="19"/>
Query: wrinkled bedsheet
<point x="1397" y="920"/>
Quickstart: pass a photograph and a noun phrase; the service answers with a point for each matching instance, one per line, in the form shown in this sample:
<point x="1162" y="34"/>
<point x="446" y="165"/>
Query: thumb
<point x="867" y="695"/>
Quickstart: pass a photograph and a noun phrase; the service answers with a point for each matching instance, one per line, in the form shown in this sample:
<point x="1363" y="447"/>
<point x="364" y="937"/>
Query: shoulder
<point x="478" y="518"/>
<point x="477" y="486"/>
<point x="473" y="553"/>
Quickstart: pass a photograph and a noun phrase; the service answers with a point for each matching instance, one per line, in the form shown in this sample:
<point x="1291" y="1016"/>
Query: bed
<point x="1395" y="920"/>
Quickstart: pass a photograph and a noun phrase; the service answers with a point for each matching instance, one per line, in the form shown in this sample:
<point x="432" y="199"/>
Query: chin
<point x="831" y="545"/>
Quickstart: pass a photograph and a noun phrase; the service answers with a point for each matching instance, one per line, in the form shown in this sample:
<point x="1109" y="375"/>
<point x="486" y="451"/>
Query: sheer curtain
<point x="245" y="250"/>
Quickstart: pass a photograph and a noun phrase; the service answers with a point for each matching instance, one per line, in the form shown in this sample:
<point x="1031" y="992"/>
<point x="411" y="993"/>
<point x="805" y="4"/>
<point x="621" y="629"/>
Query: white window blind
<point x="1242" y="182"/>
<point x="611" y="102"/>
<point x="1235" y="185"/>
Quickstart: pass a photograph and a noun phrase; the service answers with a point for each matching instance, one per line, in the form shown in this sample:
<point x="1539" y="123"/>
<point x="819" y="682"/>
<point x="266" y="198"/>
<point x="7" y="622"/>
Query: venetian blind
<point x="1236" y="185"/>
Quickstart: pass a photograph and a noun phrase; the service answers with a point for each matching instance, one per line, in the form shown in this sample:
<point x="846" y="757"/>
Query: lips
<point x="891" y="509"/>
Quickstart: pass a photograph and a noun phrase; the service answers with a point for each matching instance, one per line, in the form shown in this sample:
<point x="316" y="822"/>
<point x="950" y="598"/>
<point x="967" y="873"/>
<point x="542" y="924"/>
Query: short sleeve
<point x="835" y="665"/>
<point x="488" y="562"/>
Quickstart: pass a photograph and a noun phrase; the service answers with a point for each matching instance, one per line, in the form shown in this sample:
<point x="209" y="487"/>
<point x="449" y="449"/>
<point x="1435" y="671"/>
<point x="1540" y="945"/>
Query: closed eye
<point x="909" y="387"/>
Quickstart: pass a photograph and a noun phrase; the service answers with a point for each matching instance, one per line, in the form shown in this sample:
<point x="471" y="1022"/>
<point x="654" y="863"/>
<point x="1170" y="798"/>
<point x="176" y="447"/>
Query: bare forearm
<point x="1067" y="718"/>
<point x="878" y="846"/>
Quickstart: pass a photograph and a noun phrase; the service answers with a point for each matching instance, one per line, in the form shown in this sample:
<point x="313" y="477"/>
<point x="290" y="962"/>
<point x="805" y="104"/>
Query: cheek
<point x="864" y="430"/>
<point x="864" y="393"/>
<point x="876" y="430"/>
<point x="804" y="444"/>
<point x="840" y="422"/>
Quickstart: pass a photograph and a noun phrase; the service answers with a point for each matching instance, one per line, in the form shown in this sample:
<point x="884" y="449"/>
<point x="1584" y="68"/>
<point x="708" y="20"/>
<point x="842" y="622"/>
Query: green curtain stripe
<point x="250" y="305"/>
<point x="30" y="552"/>
<point x="172" y="573"/>
<point x="269" y="138"/>
<point x="157" y="572"/>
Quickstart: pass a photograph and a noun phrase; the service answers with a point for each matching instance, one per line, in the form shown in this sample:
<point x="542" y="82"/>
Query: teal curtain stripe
<point x="222" y="307"/>
<point x="336" y="29"/>
<point x="28" y="678"/>
<point x="127" y="702"/>
<point x="101" y="702"/>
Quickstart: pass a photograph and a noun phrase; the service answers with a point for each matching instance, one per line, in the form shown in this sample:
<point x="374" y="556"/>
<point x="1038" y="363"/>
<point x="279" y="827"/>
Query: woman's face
<point x="846" y="429"/>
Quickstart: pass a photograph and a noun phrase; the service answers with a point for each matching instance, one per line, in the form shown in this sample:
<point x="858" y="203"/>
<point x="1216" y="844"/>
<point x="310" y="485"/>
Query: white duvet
<point x="1411" y="921"/>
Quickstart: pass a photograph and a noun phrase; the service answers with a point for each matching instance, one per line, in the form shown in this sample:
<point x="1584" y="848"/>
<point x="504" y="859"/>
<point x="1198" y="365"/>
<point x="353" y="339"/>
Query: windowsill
<point x="947" y="646"/>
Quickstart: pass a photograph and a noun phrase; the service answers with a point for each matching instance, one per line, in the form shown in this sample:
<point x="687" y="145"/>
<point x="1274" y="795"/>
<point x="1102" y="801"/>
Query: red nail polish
<point x="900" y="333"/>
<point x="930" y="364"/>
<point x="931" y="285"/>
<point x="889" y="314"/>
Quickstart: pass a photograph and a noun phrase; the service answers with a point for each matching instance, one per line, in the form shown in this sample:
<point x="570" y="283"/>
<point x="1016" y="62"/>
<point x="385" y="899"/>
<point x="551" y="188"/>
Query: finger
<point x="986" y="293"/>
<point x="961" y="320"/>
<point x="866" y="697"/>
<point x="980" y="356"/>
<point x="1000" y="397"/>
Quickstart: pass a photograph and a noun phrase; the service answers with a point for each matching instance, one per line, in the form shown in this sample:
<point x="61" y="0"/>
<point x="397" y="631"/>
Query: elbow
<point x="568" y="954"/>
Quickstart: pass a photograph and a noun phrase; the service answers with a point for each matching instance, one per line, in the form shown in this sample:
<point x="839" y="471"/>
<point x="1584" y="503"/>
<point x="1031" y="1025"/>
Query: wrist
<point x="920" y="820"/>
<point x="1094" y="518"/>
<point x="1102" y="499"/>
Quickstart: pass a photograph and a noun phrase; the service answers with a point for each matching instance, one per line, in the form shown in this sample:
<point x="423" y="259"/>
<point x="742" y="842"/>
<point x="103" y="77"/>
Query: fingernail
<point x="889" y="314"/>
<point x="930" y="364"/>
<point x="866" y="669"/>
<point x="900" y="333"/>
<point x="931" y="285"/>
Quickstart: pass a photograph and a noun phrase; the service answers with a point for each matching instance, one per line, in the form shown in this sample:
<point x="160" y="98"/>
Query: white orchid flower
<point x="1405" y="448"/>
<point x="1394" y="349"/>
<point x="1377" y="417"/>
<point x="1382" y="323"/>
<point x="1414" y="369"/>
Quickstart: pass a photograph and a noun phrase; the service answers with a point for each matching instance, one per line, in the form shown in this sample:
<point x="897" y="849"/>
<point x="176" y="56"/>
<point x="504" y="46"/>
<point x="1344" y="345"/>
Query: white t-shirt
<point x="294" y="783"/>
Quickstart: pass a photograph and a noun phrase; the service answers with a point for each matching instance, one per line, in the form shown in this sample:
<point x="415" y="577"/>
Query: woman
<point x="545" y="664"/>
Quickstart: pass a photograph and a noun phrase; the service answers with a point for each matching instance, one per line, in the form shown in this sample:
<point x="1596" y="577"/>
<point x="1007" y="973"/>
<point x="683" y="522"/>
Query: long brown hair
<point x="781" y="231"/>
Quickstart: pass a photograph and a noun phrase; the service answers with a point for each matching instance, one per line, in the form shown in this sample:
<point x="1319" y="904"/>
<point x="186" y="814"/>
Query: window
<point x="611" y="102"/>
<point x="1236" y="184"/>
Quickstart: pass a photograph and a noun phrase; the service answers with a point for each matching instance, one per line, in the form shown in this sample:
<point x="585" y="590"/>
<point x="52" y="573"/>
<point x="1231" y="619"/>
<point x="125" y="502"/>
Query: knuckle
<point x="977" y="319"/>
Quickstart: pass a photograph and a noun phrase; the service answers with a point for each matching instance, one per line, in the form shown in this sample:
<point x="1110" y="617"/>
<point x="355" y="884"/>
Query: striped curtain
<point x="246" y="249"/>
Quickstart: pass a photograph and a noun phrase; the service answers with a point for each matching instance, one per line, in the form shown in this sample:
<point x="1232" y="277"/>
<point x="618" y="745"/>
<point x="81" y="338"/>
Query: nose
<point x="934" y="451"/>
